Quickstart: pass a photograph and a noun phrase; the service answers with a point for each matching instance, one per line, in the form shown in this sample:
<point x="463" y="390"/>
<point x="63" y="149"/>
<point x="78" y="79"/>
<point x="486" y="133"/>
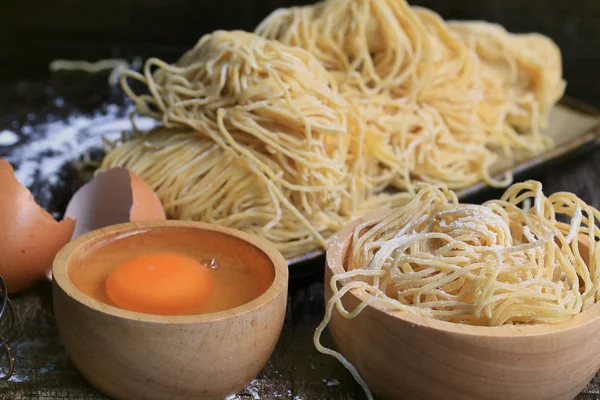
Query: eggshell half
<point x="114" y="196"/>
<point x="29" y="236"/>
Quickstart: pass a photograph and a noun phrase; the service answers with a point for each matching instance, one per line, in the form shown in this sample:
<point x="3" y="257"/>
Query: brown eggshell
<point x="29" y="236"/>
<point x="146" y="205"/>
<point x="114" y="196"/>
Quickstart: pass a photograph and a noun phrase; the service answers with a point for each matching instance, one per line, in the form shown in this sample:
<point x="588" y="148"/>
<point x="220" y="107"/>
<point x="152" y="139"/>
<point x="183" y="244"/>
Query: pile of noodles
<point x="291" y="132"/>
<point x="492" y="264"/>
<point x="253" y="137"/>
<point x="426" y="88"/>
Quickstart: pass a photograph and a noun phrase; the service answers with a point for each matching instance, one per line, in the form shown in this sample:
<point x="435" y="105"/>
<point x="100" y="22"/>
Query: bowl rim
<point x="61" y="279"/>
<point x="337" y="250"/>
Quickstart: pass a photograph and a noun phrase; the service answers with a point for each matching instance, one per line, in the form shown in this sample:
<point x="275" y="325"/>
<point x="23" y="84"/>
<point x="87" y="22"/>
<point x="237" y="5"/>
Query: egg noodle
<point x="436" y="97"/>
<point x="304" y="124"/>
<point x="254" y="138"/>
<point x="492" y="264"/>
<point x="116" y="66"/>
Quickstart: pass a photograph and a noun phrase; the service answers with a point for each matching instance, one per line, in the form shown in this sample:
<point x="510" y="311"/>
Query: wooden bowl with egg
<point x="406" y="356"/>
<point x="131" y="354"/>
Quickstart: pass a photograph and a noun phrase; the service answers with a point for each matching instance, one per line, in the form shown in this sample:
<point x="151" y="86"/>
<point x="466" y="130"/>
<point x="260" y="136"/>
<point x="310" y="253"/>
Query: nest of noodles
<point x="329" y="104"/>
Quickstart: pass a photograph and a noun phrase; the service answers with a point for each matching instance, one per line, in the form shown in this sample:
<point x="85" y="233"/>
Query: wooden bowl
<point x="131" y="355"/>
<point x="405" y="356"/>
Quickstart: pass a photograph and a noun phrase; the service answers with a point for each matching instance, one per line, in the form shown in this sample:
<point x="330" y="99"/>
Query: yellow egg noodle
<point x="527" y="66"/>
<point x="492" y="264"/>
<point x="427" y="89"/>
<point x="328" y="105"/>
<point x="261" y="141"/>
<point x="116" y="66"/>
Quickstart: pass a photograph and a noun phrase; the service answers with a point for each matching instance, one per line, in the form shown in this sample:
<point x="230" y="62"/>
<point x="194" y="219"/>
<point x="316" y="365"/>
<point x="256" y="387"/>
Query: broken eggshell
<point x="114" y="196"/>
<point x="29" y="236"/>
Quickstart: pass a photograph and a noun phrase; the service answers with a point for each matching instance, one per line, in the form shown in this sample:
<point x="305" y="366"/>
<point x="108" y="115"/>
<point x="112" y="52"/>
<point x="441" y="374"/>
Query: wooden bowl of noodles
<point x="401" y="355"/>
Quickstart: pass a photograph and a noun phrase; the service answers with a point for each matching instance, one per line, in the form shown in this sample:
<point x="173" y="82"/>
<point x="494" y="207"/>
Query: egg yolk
<point x="160" y="283"/>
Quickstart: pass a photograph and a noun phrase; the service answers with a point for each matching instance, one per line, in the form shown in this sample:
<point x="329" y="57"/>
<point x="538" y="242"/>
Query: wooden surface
<point x="295" y="371"/>
<point x="437" y="360"/>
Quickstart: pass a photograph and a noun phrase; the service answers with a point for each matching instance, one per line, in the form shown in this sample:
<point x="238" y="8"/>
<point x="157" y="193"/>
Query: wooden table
<point x="296" y="370"/>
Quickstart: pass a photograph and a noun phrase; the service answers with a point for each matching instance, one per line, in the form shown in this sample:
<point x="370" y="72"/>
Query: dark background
<point x="34" y="32"/>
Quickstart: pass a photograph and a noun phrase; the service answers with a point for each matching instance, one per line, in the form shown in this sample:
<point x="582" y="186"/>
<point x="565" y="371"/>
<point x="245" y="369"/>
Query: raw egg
<point x="160" y="283"/>
<point x="170" y="270"/>
<point x="114" y="196"/>
<point x="29" y="236"/>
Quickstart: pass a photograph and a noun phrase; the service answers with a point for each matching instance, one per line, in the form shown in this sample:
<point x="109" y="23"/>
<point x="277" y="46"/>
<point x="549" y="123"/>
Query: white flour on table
<point x="53" y="144"/>
<point x="8" y="138"/>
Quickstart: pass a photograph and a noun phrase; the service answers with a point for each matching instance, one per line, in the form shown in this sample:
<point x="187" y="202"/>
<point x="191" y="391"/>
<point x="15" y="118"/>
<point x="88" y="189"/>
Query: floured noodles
<point x="485" y="92"/>
<point x="254" y="138"/>
<point x="492" y="264"/>
<point x="293" y="131"/>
